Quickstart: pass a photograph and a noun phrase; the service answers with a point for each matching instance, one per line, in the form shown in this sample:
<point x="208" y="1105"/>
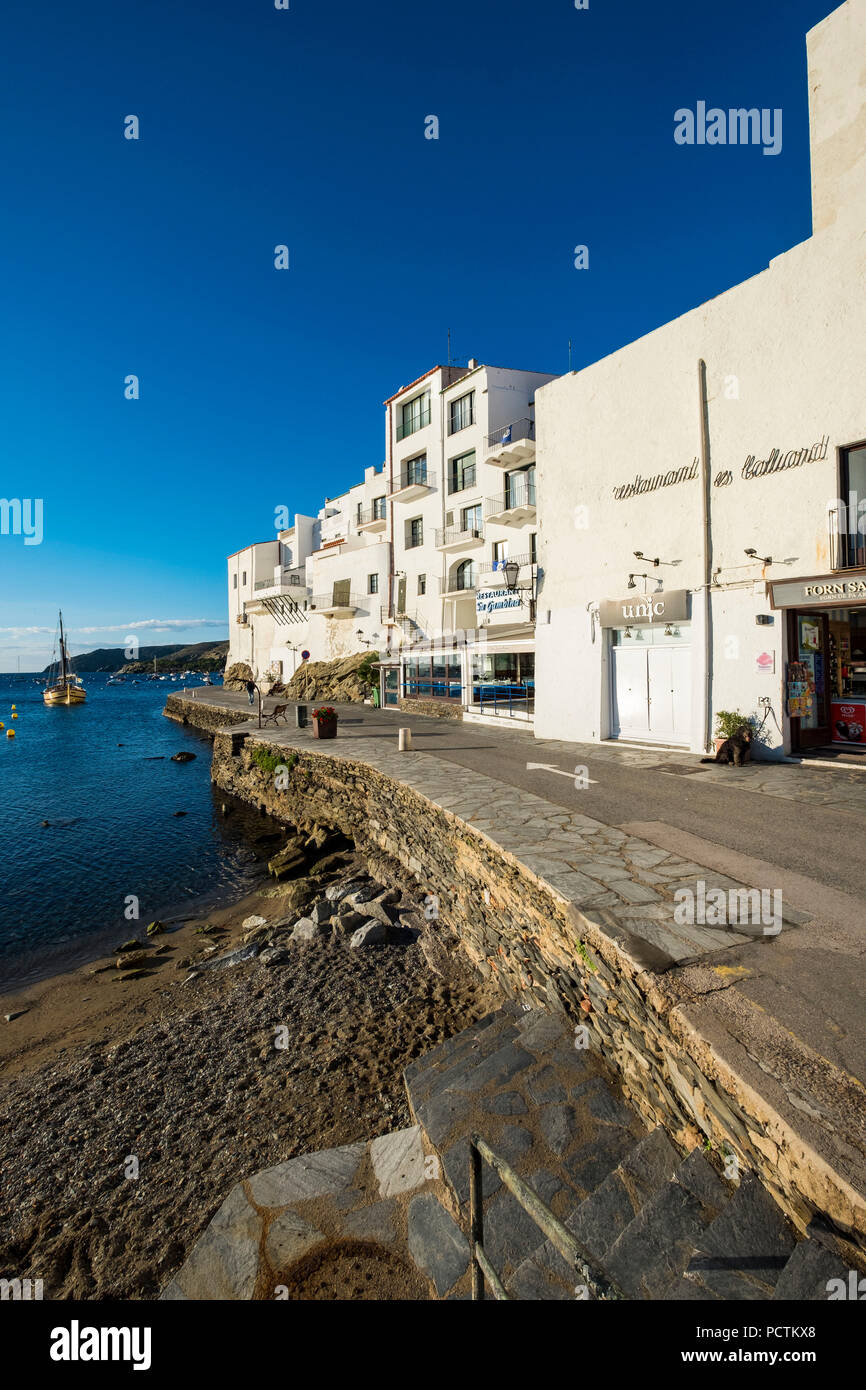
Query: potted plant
<point x="325" y="722"/>
<point x="728" y="721"/>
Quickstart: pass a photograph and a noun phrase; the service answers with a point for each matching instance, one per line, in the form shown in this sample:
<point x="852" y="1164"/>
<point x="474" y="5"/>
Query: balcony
<point x="412" y="482"/>
<point x="452" y="539"/>
<point x="847" y="546"/>
<point x="525" y="561"/>
<point x="417" y="422"/>
<point x="291" y="582"/>
<point x="514" y="507"/>
<point x="337" y="605"/>
<point x="456" y="586"/>
<point x="371" y="519"/>
<point x="513" y="444"/>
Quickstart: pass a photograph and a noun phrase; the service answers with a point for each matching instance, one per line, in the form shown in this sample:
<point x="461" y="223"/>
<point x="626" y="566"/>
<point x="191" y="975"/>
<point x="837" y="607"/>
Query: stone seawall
<point x="200" y="715"/>
<point x="520" y="931"/>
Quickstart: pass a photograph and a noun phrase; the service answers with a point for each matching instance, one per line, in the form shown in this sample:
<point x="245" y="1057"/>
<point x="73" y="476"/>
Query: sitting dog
<point x="737" y="749"/>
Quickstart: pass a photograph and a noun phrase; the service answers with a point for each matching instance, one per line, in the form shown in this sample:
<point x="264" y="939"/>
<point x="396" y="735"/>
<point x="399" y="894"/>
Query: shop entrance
<point x="827" y="676"/>
<point x="651" y="684"/>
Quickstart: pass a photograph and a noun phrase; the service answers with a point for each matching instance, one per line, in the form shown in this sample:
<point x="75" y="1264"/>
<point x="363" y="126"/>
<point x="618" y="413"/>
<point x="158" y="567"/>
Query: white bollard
<point x="404" y="743"/>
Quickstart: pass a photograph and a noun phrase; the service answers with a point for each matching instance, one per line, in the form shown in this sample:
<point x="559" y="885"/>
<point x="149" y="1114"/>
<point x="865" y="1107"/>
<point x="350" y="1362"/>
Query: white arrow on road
<point x="548" y="767"/>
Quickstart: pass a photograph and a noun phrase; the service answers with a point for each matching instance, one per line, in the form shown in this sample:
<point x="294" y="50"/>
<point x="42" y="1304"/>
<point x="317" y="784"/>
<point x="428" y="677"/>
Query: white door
<point x="630" y="712"/>
<point x="669" y="681"/>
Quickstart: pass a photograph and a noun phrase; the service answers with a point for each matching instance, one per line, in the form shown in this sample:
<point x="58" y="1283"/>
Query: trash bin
<point x="375" y="697"/>
<point x="301" y="716"/>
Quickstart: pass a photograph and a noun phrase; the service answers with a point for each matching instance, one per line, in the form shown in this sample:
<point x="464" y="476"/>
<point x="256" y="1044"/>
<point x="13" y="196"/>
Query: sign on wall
<point x="490" y="601"/>
<point x="644" y="609"/>
<point x="797" y="594"/>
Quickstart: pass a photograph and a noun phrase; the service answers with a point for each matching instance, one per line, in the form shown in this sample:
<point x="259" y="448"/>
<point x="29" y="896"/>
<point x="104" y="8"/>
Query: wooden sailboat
<point x="67" y="690"/>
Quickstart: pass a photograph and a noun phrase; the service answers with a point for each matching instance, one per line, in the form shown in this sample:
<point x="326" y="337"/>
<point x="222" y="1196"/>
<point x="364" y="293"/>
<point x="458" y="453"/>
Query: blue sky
<point x="305" y="127"/>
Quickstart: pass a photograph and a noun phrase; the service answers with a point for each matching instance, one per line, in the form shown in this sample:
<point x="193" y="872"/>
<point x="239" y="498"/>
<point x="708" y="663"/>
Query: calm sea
<point x="102" y="776"/>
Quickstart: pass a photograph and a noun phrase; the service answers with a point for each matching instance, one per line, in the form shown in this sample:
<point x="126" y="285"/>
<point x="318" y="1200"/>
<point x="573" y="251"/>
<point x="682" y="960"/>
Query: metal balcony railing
<point x="368" y="514"/>
<point x="496" y="566"/>
<point x="291" y="581"/>
<point x="519" y="494"/>
<point x="511" y="434"/>
<point x="465" y="584"/>
<point x="353" y="601"/>
<point x="412" y="477"/>
<point x="451" y="535"/>
<point x="847" y="546"/>
<point x="415" y="423"/>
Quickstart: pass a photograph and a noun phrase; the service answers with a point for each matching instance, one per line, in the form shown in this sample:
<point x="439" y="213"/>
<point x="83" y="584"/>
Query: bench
<point x="278" y="712"/>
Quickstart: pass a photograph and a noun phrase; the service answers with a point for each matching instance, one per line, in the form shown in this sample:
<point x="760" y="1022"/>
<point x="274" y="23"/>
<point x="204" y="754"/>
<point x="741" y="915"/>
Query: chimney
<point x="473" y="363"/>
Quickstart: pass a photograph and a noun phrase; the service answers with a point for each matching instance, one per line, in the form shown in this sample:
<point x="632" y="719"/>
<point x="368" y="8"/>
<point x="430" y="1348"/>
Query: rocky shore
<point x="144" y="1087"/>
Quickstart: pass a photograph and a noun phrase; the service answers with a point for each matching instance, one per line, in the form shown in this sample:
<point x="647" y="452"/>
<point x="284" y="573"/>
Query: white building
<point x="693" y="555"/>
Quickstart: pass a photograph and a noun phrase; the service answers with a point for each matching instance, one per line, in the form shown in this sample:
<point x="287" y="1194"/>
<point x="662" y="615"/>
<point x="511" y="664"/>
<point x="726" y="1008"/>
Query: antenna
<point x="569" y="354"/>
<point x="449" y="347"/>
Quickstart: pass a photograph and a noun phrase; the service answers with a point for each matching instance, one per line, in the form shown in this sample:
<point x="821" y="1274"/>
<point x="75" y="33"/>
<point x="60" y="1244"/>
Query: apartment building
<point x="430" y="561"/>
<point x="461" y="508"/>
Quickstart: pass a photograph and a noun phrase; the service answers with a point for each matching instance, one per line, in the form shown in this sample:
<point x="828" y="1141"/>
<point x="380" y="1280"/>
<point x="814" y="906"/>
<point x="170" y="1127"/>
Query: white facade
<point x="650" y="451"/>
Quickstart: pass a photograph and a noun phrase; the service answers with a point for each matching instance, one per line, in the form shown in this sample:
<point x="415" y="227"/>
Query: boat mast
<point x="62" y="653"/>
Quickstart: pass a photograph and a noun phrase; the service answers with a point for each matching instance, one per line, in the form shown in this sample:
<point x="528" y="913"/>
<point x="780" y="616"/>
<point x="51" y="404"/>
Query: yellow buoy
<point x="14" y="706"/>
<point x="10" y="733"/>
<point x="15" y="716"/>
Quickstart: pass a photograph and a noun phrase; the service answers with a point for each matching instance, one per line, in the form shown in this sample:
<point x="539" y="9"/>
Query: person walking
<point x="251" y="690"/>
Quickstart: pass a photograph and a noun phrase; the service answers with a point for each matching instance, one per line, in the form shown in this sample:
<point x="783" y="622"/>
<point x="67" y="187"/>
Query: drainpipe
<point x="707" y="550"/>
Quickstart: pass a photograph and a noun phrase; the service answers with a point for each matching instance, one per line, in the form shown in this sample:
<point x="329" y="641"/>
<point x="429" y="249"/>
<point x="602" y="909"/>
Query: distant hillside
<point x="201" y="656"/>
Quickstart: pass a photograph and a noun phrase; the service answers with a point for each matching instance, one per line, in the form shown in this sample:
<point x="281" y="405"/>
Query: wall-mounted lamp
<point x="639" y="555"/>
<point x="764" y="559"/>
<point x="627" y="632"/>
<point x="633" y="577"/>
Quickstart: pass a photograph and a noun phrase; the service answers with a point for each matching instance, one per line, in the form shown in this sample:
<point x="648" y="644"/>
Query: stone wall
<point x="202" y="716"/>
<point x="439" y="709"/>
<point x="518" y="931"/>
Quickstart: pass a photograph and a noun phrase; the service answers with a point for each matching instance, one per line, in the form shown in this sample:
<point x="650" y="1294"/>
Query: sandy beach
<point x="130" y="1106"/>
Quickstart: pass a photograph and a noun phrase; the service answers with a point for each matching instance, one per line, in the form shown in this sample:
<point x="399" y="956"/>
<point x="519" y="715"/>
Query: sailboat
<point x="67" y="690"/>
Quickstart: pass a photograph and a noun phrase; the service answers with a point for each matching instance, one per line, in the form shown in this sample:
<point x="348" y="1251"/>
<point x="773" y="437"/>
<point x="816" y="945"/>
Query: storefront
<point x="502" y="674"/>
<point x="825" y="675"/>
<point x="649" y="649"/>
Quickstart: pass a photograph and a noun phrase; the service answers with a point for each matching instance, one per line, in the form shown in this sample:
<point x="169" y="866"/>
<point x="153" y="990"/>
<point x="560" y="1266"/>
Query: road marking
<point x="575" y="776"/>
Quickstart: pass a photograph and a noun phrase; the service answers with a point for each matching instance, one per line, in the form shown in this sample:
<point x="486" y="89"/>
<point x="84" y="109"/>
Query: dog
<point x="737" y="749"/>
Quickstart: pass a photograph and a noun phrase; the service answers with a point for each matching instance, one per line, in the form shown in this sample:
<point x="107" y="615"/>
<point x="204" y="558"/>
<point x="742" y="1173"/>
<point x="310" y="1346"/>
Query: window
<point x="422" y="583"/>
<point x="500" y="554"/>
<point x="470" y="518"/>
<point x="520" y="488"/>
<point x="464" y="575"/>
<point x="438" y="675"/>
<point x="234" y="581"/>
<point x="379" y="508"/>
<point x="461" y="472"/>
<point x="850" y="543"/>
<point x="533" y="548"/>
<point x="414" y="415"/>
<point x="415" y="471"/>
<point x="462" y="413"/>
<point x="244" y="578"/>
<point x="359" y="514"/>
<point x="373" y="584"/>
<point x="414" y="533"/>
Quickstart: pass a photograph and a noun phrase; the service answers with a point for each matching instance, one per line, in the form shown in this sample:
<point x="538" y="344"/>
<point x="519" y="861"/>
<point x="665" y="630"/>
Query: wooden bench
<point x="277" y="713"/>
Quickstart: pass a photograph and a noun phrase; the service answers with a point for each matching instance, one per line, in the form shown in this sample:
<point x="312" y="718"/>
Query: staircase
<point x="649" y="1221"/>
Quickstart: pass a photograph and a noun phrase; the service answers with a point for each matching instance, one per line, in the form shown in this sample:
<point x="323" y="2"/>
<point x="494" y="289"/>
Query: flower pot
<point x="717" y="743"/>
<point x="324" y="728"/>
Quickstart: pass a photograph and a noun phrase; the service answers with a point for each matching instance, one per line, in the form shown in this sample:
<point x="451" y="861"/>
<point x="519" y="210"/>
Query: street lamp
<point x="511" y="570"/>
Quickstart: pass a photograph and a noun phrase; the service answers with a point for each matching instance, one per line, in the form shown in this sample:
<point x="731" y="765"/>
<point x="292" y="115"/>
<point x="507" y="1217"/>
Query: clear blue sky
<point x="306" y="127"/>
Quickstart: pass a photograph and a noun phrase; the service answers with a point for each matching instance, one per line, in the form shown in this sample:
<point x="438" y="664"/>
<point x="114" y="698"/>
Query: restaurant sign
<point x="645" y="609"/>
<point x="491" y="601"/>
<point x="812" y="592"/>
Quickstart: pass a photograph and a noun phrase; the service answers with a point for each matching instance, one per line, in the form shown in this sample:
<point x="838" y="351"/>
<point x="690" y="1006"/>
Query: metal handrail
<point x="568" y="1246"/>
<point x="453" y="535"/>
<point x="412" y="477"/>
<point x="327" y="601"/>
<point x="414" y="424"/>
<point x="518" y="495"/>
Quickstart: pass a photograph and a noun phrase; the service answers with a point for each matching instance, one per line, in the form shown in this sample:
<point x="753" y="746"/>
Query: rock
<point x="306" y="930"/>
<point x="224" y="1262"/>
<point x="132" y="959"/>
<point x="320" y="912"/>
<point x="274" y="955"/>
<point x="183" y="757"/>
<point x="362" y="895"/>
<point x="378" y="912"/>
<point x="256" y="934"/>
<point x="180" y="813"/>
<point x="367" y="935"/>
<point x="131" y="945"/>
<point x="155" y="928"/>
<point x="398" y="1161"/>
<point x="131" y="975"/>
<point x="236" y="957"/>
<point x="237" y="675"/>
<point x="10" y="1018"/>
<point x="349" y="922"/>
<point x="338" y="891"/>
<point x="290" y="862"/>
<point x="249" y="922"/>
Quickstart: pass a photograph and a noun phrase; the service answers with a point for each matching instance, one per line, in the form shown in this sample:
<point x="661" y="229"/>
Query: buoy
<point x="15" y="716"/>
<point x="2" y="725"/>
<point x="14" y="706"/>
<point x="10" y="733"/>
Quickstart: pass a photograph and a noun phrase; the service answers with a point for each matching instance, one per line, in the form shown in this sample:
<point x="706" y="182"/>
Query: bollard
<point x="301" y="716"/>
<point x="404" y="744"/>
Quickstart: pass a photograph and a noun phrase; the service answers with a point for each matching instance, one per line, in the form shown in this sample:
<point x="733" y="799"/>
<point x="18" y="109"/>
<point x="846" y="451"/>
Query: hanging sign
<point x="642" y="610"/>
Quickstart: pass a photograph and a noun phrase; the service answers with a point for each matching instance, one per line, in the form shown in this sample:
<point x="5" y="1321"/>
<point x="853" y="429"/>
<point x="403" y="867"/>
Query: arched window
<point x="464" y="575"/>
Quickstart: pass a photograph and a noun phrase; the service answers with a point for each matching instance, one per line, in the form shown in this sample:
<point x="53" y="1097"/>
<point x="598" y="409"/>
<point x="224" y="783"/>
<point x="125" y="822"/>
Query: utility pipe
<point x="706" y="532"/>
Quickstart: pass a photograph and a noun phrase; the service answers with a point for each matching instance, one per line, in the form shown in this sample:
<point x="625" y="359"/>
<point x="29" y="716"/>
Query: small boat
<point x="67" y="688"/>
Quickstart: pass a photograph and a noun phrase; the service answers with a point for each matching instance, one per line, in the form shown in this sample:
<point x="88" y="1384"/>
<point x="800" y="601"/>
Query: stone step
<point x="745" y="1249"/>
<point x="810" y="1272"/>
